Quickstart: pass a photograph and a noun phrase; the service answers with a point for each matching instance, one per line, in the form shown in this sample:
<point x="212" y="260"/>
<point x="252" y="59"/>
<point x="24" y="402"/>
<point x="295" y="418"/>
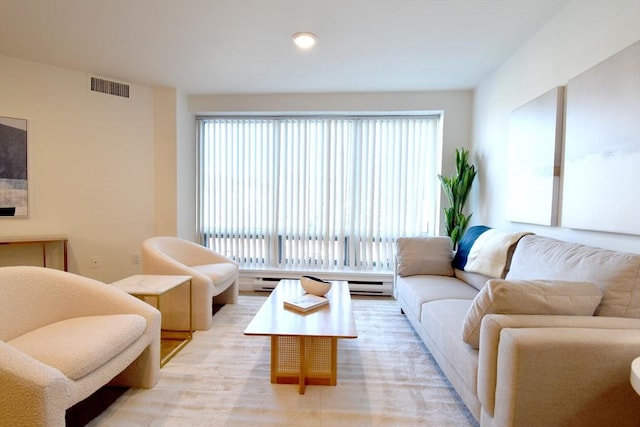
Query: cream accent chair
<point x="214" y="276"/>
<point x="64" y="336"/>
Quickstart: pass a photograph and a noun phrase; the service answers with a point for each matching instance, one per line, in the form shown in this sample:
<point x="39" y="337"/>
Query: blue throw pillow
<point x="465" y="244"/>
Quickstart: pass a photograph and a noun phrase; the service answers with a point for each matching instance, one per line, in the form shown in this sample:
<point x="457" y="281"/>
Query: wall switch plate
<point x="135" y="258"/>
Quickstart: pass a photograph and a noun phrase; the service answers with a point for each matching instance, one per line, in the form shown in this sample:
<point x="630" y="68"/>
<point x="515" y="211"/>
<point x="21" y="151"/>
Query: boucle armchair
<point x="64" y="336"/>
<point x="213" y="275"/>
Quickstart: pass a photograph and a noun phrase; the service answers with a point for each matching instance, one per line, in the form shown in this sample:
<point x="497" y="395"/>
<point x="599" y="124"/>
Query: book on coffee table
<point x="306" y="302"/>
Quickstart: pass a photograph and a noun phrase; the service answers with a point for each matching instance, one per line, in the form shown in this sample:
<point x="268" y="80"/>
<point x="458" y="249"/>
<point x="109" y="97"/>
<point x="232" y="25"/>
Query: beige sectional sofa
<point x="550" y="345"/>
<point x="62" y="337"/>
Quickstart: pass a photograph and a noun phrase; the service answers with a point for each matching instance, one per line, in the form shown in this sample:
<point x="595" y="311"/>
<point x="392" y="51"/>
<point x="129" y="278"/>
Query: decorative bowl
<point x="315" y="286"/>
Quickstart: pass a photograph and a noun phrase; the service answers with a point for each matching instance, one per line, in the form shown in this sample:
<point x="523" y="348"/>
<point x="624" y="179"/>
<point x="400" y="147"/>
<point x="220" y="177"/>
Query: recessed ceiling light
<point x="304" y="40"/>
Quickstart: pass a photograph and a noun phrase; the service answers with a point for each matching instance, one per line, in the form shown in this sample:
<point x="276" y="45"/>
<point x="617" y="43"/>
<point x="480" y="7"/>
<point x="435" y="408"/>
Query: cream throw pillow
<point x="529" y="297"/>
<point x="424" y="255"/>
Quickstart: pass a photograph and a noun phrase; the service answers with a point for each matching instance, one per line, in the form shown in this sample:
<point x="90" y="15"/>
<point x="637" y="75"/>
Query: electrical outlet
<point x="96" y="262"/>
<point x="135" y="258"/>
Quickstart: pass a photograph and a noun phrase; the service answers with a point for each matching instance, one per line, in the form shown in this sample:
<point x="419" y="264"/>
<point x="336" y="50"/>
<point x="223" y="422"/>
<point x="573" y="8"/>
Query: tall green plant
<point x="457" y="189"/>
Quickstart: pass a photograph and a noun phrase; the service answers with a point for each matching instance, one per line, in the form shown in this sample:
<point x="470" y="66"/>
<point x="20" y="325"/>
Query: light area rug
<point x="386" y="377"/>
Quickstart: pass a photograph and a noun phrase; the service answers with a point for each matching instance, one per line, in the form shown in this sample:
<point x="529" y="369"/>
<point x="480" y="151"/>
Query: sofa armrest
<point x="32" y="392"/>
<point x="189" y="253"/>
<point x="557" y="370"/>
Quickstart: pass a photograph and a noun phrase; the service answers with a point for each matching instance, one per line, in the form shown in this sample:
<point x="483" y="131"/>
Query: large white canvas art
<point x="534" y="155"/>
<point x="601" y="182"/>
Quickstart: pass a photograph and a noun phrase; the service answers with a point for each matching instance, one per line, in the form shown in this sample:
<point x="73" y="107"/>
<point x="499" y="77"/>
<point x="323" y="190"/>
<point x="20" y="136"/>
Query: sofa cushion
<point x="442" y="321"/>
<point x="424" y="255"/>
<point x="486" y="251"/>
<point x="617" y="274"/>
<point x="476" y="280"/>
<point x="80" y="345"/>
<point x="414" y="291"/>
<point x="529" y="297"/>
<point x="221" y="274"/>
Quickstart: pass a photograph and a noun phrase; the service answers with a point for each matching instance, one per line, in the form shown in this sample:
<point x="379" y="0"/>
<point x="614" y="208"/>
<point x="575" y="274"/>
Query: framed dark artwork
<point x="14" y="197"/>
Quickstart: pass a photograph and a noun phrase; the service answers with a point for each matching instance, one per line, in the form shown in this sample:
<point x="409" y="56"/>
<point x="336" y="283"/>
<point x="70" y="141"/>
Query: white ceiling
<point x="244" y="46"/>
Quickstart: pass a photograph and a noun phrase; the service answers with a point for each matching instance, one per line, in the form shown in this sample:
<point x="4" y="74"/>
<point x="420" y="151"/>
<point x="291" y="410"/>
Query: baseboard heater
<point x="266" y="284"/>
<point x="357" y="287"/>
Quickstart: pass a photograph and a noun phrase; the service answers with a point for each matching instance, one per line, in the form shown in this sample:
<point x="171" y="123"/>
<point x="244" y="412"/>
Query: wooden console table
<point x="43" y="241"/>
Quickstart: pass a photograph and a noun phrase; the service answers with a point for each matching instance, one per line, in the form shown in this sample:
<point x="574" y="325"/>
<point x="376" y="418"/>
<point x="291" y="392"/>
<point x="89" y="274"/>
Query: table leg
<point x="302" y="381"/>
<point x="304" y="361"/>
<point x="44" y="254"/>
<point x="65" y="256"/>
<point x="274" y="359"/>
<point x="334" y="361"/>
<point x="184" y="337"/>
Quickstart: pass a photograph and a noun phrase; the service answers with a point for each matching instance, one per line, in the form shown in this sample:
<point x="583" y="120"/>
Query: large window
<point x="316" y="192"/>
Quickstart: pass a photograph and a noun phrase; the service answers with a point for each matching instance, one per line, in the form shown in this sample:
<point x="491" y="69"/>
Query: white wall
<point x="579" y="37"/>
<point x="186" y="169"/>
<point x="90" y="164"/>
<point x="175" y="171"/>
<point x="456" y="106"/>
<point x="165" y="168"/>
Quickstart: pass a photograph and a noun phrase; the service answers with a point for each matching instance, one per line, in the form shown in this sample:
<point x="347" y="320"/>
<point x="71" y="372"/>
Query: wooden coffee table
<point x="304" y="346"/>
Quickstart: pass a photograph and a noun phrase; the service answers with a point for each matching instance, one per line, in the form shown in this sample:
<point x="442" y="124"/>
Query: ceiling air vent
<point x="109" y="87"/>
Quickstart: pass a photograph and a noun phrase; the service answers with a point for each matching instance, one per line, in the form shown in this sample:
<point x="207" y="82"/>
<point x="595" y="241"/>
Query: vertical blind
<point x="316" y="192"/>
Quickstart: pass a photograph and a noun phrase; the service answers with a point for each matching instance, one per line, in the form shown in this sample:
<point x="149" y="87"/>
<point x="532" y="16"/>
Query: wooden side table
<point x="154" y="286"/>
